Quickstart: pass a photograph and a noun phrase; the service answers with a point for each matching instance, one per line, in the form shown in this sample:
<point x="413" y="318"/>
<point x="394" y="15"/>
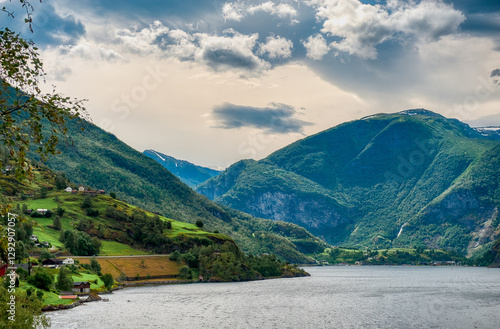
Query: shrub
<point x="94" y="265"/>
<point x="87" y="203"/>
<point x="92" y="212"/>
<point x="175" y="256"/>
<point x="108" y="280"/>
<point x="185" y="272"/>
<point x="42" y="280"/>
<point x="199" y="223"/>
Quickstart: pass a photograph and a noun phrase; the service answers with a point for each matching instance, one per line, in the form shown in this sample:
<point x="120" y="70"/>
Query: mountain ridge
<point x="187" y="172"/>
<point x="382" y="171"/>
<point x="93" y="157"/>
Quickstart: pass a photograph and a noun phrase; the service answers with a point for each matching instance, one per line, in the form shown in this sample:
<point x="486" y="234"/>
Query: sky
<point x="214" y="82"/>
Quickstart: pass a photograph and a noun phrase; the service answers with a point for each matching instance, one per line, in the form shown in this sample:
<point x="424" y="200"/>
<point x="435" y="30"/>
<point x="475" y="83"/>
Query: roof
<point x="79" y="283"/>
<point x="51" y="260"/>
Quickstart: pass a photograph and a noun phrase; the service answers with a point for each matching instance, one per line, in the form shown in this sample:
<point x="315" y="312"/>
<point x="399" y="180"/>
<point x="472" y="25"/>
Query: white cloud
<point x="230" y="51"/>
<point x="277" y="47"/>
<point x="236" y="11"/>
<point x="316" y="47"/>
<point x="363" y="26"/>
<point x="184" y="47"/>
<point x="89" y="51"/>
<point x="281" y="10"/>
<point x="428" y="20"/>
<point x="141" y="41"/>
<point x="233" y="12"/>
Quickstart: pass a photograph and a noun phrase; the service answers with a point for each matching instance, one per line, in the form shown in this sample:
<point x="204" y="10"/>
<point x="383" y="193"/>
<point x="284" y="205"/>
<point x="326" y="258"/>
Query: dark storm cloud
<point x="220" y="57"/>
<point x="51" y="28"/>
<point x="495" y="73"/>
<point x="276" y="118"/>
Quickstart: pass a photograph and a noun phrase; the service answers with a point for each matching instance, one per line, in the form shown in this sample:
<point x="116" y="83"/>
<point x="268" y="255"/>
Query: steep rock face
<point x="315" y="213"/>
<point x="359" y="183"/>
<point x="215" y="188"/>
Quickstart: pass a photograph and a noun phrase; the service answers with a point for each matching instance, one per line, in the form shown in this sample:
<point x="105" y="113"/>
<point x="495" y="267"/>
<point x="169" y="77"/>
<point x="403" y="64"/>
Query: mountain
<point x="404" y="179"/>
<point x="91" y="157"/>
<point x="188" y="173"/>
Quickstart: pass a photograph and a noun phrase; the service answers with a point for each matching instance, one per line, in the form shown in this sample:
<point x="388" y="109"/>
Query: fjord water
<point x="332" y="297"/>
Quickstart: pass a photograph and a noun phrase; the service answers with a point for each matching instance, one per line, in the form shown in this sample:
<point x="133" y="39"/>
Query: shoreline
<point x="96" y="297"/>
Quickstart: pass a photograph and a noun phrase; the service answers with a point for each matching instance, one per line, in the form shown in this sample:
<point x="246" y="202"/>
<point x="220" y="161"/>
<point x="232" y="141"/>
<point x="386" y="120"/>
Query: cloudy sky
<point x="213" y="82"/>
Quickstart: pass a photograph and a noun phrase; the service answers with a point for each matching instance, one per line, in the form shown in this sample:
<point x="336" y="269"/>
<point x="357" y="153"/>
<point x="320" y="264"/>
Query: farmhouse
<point x="68" y="261"/>
<point x="51" y="262"/>
<point x="42" y="211"/>
<point x="81" y="286"/>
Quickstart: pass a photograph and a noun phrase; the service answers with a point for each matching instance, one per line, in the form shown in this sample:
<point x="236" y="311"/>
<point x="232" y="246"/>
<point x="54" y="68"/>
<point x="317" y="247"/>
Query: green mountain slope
<point x="92" y="157"/>
<point x="188" y="173"/>
<point x="369" y="181"/>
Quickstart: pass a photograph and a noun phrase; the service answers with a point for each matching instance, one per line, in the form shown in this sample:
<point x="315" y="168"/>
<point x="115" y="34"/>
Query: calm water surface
<point x="332" y="297"/>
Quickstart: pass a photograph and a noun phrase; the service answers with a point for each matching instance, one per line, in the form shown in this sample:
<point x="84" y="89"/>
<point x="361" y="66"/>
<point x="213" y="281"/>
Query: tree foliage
<point x="80" y="243"/>
<point x="41" y="279"/>
<point x="27" y="316"/>
<point x="24" y="107"/>
<point x="64" y="280"/>
<point x="108" y="281"/>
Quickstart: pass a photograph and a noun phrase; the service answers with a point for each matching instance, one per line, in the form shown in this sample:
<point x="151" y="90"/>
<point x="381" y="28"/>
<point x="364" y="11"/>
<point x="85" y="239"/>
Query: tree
<point x="57" y="223"/>
<point x="21" y="252"/>
<point x="108" y="281"/>
<point x="87" y="203"/>
<point x="43" y="192"/>
<point x="60" y="181"/>
<point x="45" y="255"/>
<point x="199" y="223"/>
<point x="42" y="279"/>
<point x="27" y="316"/>
<point x="64" y="280"/>
<point x="175" y="256"/>
<point x="24" y="108"/>
<point x="60" y="211"/>
<point x="94" y="265"/>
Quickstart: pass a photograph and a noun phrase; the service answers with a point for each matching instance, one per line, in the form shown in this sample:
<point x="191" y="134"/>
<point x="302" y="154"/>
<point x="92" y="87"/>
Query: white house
<point x="68" y="189"/>
<point x="69" y="261"/>
<point x="81" y="189"/>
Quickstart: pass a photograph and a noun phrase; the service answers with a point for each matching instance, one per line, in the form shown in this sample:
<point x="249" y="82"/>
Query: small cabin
<point x="68" y="189"/>
<point x="81" y="286"/>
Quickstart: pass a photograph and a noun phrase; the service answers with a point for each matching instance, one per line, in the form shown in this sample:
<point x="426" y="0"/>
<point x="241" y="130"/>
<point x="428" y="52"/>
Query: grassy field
<point x="49" y="298"/>
<point x="131" y="266"/>
<point x="48" y="203"/>
<point x="73" y="214"/>
<point x="113" y="248"/>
